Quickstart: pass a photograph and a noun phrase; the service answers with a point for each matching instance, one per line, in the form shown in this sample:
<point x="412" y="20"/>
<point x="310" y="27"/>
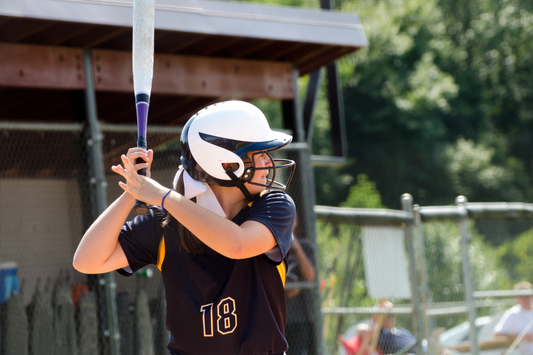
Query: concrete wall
<point x="40" y="227"/>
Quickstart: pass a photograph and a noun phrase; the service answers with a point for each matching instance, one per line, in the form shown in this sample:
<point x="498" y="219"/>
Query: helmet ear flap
<point x="213" y="156"/>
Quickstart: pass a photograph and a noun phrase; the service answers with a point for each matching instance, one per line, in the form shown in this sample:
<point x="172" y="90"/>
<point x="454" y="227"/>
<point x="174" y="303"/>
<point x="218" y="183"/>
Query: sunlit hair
<point x="523" y="285"/>
<point x="362" y="327"/>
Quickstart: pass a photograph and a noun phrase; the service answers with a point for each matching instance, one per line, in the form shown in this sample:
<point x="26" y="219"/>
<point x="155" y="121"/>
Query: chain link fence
<point x="460" y="264"/>
<point x="459" y="257"/>
<point x="50" y="187"/>
<point x="48" y="201"/>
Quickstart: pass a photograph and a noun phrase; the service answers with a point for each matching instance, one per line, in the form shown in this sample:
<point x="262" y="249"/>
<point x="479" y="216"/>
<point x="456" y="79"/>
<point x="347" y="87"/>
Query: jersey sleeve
<point x="276" y="211"/>
<point x="140" y="240"/>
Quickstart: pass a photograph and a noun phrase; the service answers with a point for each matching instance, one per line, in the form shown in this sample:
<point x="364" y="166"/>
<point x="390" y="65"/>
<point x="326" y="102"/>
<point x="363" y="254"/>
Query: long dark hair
<point x="188" y="240"/>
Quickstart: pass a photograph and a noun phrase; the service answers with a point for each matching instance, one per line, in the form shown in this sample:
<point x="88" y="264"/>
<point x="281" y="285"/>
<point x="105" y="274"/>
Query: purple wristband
<point x="164" y="197"/>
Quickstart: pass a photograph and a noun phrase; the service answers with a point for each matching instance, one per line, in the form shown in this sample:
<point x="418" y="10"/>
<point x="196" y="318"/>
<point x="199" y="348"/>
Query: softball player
<point x="221" y="254"/>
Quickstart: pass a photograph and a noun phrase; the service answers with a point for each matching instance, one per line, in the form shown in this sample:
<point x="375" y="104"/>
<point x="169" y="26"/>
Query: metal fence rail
<point x="463" y="216"/>
<point x="65" y="174"/>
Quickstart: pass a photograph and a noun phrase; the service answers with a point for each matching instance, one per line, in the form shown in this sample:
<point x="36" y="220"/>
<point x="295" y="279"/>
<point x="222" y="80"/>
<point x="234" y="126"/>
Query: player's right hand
<point x="143" y="188"/>
<point x="146" y="155"/>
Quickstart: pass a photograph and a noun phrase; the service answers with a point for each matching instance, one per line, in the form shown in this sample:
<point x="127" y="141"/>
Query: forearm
<point x="306" y="266"/>
<point x="99" y="250"/>
<point x="218" y="233"/>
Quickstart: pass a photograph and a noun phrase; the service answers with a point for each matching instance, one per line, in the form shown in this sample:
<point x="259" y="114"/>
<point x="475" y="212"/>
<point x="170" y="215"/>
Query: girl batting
<point x="219" y="237"/>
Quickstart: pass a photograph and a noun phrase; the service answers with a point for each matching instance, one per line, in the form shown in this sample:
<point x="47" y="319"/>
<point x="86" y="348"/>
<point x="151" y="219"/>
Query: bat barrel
<point x="143" y="64"/>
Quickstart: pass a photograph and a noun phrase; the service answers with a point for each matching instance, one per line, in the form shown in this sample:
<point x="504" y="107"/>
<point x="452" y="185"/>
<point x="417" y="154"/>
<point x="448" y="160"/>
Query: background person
<point x="392" y="339"/>
<point x="357" y="345"/>
<point x="515" y="320"/>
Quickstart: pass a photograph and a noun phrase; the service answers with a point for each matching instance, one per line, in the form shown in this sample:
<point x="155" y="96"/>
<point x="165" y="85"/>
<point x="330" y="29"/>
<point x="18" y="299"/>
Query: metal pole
<point x="336" y="106"/>
<point x="313" y="88"/>
<point x="95" y="144"/>
<point x="460" y="202"/>
<point x="303" y="189"/>
<point x="407" y="206"/>
<point x="424" y="287"/>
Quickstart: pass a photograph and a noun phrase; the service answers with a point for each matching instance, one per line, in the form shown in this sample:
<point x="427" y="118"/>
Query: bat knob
<point x="140" y="208"/>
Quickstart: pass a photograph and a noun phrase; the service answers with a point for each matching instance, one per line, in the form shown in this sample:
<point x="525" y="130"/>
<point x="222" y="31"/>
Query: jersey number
<point x="227" y="319"/>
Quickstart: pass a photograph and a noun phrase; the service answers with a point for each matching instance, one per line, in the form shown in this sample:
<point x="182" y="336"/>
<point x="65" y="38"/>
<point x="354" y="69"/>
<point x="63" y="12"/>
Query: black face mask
<point x="276" y="164"/>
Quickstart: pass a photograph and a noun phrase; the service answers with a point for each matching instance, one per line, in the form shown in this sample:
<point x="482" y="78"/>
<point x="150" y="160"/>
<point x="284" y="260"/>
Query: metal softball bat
<point x="143" y="69"/>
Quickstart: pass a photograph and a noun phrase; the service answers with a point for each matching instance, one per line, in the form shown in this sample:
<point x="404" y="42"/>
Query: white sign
<point x="385" y="262"/>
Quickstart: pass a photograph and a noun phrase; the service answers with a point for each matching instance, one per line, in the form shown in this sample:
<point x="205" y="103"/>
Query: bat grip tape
<point x="141" y="142"/>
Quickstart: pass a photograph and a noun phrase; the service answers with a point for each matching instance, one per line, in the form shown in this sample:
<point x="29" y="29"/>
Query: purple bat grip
<point x="142" y="118"/>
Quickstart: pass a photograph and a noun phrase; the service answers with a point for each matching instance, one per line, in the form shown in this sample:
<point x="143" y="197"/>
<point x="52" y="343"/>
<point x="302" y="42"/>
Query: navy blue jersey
<point x="218" y="305"/>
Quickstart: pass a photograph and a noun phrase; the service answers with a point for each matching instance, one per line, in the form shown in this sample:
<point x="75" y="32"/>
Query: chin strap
<point x="240" y="184"/>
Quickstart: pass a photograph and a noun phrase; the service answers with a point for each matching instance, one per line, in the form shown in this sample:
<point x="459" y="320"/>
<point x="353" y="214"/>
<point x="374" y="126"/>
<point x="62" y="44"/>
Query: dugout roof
<point x="205" y="51"/>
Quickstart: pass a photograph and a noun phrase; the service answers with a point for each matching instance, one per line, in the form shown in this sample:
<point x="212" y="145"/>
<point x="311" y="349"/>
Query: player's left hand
<point x="140" y="187"/>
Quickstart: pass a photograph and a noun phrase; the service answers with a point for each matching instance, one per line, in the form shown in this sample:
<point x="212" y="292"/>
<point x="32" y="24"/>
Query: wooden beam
<point x="197" y="76"/>
<point x="51" y="67"/>
<point x="41" y="66"/>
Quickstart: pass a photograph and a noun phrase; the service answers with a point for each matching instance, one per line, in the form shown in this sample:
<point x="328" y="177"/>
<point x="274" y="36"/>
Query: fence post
<point x="302" y="188"/>
<point x="424" y="288"/>
<point x="460" y="202"/>
<point x="407" y="206"/>
<point x="97" y="157"/>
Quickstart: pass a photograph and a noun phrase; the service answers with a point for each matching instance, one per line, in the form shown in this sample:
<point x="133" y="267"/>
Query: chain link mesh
<point x="48" y="202"/>
<point x="347" y="300"/>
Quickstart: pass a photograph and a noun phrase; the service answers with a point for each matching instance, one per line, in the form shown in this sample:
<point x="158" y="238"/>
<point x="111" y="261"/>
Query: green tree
<point x="516" y="255"/>
<point x="396" y="99"/>
<point x="474" y="172"/>
<point x="489" y="55"/>
<point x="435" y="72"/>
<point x="363" y="194"/>
<point x="443" y="256"/>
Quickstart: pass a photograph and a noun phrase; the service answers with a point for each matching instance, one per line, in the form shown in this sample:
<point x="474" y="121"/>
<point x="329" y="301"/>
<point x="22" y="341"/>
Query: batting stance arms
<point x="99" y="250"/>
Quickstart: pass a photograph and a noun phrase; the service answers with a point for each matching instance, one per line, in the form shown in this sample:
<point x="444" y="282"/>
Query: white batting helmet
<point x="224" y="133"/>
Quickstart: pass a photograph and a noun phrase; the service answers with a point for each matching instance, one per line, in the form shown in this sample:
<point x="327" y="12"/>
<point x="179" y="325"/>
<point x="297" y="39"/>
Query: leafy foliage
<point x="363" y="194"/>
<point x="443" y="256"/>
<point x="436" y="74"/>
<point x="439" y="76"/>
<point x="516" y="255"/>
<point x="474" y="172"/>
